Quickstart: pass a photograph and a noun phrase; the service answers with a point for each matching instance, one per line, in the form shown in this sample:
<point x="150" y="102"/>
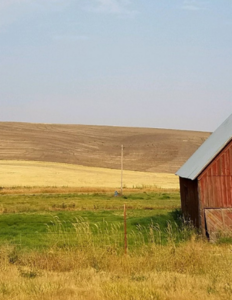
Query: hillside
<point x="145" y="149"/>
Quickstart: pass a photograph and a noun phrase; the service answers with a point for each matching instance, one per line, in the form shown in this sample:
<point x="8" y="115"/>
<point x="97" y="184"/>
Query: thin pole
<point x="125" y="231"/>
<point x="121" y="168"/>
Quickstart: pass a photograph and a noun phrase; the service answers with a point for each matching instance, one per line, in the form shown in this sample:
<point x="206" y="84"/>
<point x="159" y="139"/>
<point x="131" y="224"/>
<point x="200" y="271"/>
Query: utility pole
<point x="121" y="168"/>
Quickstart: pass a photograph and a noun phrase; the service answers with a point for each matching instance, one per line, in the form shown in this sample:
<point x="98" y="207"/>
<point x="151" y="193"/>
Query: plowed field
<point x="145" y="149"/>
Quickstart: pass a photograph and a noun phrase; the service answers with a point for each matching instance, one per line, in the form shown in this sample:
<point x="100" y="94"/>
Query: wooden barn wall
<point x="215" y="182"/>
<point x="189" y="200"/>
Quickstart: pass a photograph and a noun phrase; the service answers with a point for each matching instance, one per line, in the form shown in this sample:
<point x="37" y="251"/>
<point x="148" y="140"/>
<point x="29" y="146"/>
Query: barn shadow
<point x="169" y="226"/>
<point x="173" y="217"/>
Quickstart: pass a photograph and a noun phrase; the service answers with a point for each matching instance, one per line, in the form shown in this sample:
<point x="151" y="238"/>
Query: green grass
<point x="39" y="220"/>
<point x="55" y="202"/>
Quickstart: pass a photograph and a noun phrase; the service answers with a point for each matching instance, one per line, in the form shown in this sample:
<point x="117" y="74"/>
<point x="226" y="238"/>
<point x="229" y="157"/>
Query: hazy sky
<point x="152" y="63"/>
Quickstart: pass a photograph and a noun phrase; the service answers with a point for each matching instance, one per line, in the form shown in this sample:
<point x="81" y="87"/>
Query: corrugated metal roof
<point x="207" y="151"/>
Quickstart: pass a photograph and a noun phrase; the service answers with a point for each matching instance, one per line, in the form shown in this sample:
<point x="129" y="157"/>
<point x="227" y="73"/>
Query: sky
<point x="153" y="63"/>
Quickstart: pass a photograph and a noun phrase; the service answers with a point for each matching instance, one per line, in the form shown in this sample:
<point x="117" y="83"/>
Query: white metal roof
<point x="207" y="151"/>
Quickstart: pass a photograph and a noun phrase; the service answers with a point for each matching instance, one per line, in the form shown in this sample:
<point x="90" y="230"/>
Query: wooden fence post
<point x="125" y="230"/>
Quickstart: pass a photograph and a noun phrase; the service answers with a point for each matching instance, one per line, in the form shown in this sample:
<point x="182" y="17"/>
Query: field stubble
<point x="42" y="174"/>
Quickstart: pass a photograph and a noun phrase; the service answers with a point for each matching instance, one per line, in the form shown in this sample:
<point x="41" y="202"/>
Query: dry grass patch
<point x="192" y="270"/>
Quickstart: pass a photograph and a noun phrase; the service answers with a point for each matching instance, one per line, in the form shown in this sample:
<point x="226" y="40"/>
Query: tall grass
<point x="98" y="269"/>
<point x="84" y="256"/>
<point x="84" y="234"/>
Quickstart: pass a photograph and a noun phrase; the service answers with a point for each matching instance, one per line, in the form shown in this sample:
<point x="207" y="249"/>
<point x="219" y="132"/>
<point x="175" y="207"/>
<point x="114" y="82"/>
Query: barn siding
<point x="189" y="200"/>
<point x="215" y="182"/>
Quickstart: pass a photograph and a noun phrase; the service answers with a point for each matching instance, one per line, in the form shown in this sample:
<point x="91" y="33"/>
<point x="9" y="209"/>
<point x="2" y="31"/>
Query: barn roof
<point x="207" y="151"/>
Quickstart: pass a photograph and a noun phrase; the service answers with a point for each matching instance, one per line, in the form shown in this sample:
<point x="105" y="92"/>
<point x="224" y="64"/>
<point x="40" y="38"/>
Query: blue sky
<point x="160" y="64"/>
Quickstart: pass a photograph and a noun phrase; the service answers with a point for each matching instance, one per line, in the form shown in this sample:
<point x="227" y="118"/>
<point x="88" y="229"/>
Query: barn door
<point x="218" y="222"/>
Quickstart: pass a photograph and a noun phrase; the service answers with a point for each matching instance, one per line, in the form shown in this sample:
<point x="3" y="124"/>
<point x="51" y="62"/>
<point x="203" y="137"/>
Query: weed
<point x="13" y="256"/>
<point x="30" y="274"/>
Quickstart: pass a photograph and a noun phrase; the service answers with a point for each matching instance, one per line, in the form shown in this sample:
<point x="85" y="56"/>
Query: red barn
<point x="206" y="183"/>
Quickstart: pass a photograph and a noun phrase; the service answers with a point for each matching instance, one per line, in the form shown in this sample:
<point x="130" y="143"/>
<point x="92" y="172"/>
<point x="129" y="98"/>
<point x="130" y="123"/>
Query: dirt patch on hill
<point x="145" y="149"/>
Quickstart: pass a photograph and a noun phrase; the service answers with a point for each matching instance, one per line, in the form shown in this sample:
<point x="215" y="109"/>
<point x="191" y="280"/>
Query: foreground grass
<point x="70" y="246"/>
<point x="194" y="269"/>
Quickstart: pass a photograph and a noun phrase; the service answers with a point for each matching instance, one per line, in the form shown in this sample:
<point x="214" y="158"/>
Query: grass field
<point x="62" y="238"/>
<point x="71" y="246"/>
<point x="27" y="173"/>
<point x="25" y="219"/>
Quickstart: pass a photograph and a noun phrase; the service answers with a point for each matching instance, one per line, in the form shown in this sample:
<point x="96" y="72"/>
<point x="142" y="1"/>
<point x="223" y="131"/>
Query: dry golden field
<point x="44" y="174"/>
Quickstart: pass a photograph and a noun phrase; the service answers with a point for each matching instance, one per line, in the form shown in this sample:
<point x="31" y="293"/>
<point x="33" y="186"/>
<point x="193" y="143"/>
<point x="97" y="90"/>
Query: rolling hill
<point x="145" y="149"/>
